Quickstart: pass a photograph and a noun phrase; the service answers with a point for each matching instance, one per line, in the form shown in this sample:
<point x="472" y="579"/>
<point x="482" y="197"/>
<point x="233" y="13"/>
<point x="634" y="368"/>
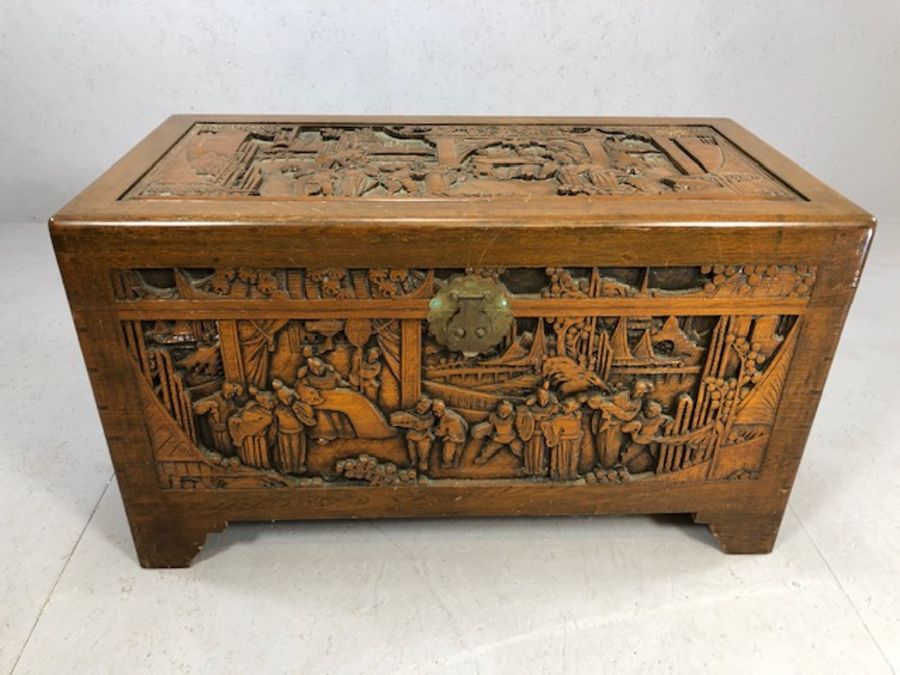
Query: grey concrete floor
<point x="577" y="595"/>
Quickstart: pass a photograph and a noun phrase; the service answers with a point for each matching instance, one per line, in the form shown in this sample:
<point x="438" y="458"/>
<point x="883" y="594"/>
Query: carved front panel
<point x="316" y="378"/>
<point x="297" y="161"/>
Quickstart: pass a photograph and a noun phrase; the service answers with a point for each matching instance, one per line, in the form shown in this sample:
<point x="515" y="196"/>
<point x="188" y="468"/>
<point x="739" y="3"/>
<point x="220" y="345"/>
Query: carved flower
<point x="266" y="282"/>
<point x="564" y="285"/>
<point x="381" y="283"/>
<point x="721" y="277"/>
<point x="221" y="281"/>
<point x="247" y="274"/>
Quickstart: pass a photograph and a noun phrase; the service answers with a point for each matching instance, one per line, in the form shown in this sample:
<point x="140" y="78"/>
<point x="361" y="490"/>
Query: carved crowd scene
<point x="593" y="398"/>
<point x="240" y="160"/>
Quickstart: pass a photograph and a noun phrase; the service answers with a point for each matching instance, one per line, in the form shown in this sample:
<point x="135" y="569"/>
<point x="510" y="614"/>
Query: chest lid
<point x="300" y="169"/>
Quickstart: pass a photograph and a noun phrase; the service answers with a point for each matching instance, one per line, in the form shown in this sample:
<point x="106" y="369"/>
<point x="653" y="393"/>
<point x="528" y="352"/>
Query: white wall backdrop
<point x="82" y="81"/>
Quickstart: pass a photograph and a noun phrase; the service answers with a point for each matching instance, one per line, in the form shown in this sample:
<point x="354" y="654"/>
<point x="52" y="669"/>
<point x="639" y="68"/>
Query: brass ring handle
<point x="470" y="314"/>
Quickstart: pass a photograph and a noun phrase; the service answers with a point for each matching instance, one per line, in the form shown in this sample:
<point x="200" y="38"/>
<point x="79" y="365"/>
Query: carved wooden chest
<point x="298" y="318"/>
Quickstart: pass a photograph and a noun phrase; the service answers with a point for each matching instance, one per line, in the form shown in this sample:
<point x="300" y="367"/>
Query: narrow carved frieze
<point x="737" y="281"/>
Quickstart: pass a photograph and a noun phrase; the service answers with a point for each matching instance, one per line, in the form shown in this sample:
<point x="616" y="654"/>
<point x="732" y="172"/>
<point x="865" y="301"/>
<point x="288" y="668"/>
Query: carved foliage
<point x="243" y="283"/>
<point x="246" y="283"/>
<point x="751" y="281"/>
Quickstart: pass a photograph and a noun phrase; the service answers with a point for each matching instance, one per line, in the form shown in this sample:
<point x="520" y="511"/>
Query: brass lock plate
<point x="470" y="314"/>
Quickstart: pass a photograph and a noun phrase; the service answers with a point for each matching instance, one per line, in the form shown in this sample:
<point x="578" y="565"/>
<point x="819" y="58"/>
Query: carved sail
<point x="170" y="442"/>
<point x="644" y="349"/>
<point x="619" y="341"/>
<point x="514" y="356"/>
<point x="761" y="403"/>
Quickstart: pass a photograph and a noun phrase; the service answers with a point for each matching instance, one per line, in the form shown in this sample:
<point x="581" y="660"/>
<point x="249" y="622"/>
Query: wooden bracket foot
<point x="742" y="532"/>
<point x="165" y="541"/>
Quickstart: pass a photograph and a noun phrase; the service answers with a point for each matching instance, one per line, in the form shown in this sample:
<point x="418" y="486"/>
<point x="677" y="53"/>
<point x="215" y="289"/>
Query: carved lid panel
<point x="297" y="161"/>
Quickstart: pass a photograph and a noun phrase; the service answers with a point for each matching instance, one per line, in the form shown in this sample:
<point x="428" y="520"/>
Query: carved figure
<point x="612" y="413"/>
<point x="501" y="430"/>
<point x="218" y="407"/>
<point x="306" y="353"/>
<point x="369" y="371"/>
<point x="453" y="430"/>
<point x="419" y="424"/>
<point x="251" y="429"/>
<point x="646" y="432"/>
<point x="399" y="178"/>
<point x="292" y="416"/>
<point x="321" y="377"/>
<point x="563" y="432"/>
<point x="530" y="420"/>
<point x="313" y="182"/>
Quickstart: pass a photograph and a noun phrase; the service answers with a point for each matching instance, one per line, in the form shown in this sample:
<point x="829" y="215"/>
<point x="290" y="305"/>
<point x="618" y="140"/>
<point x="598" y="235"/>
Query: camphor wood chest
<point x="300" y="318"/>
